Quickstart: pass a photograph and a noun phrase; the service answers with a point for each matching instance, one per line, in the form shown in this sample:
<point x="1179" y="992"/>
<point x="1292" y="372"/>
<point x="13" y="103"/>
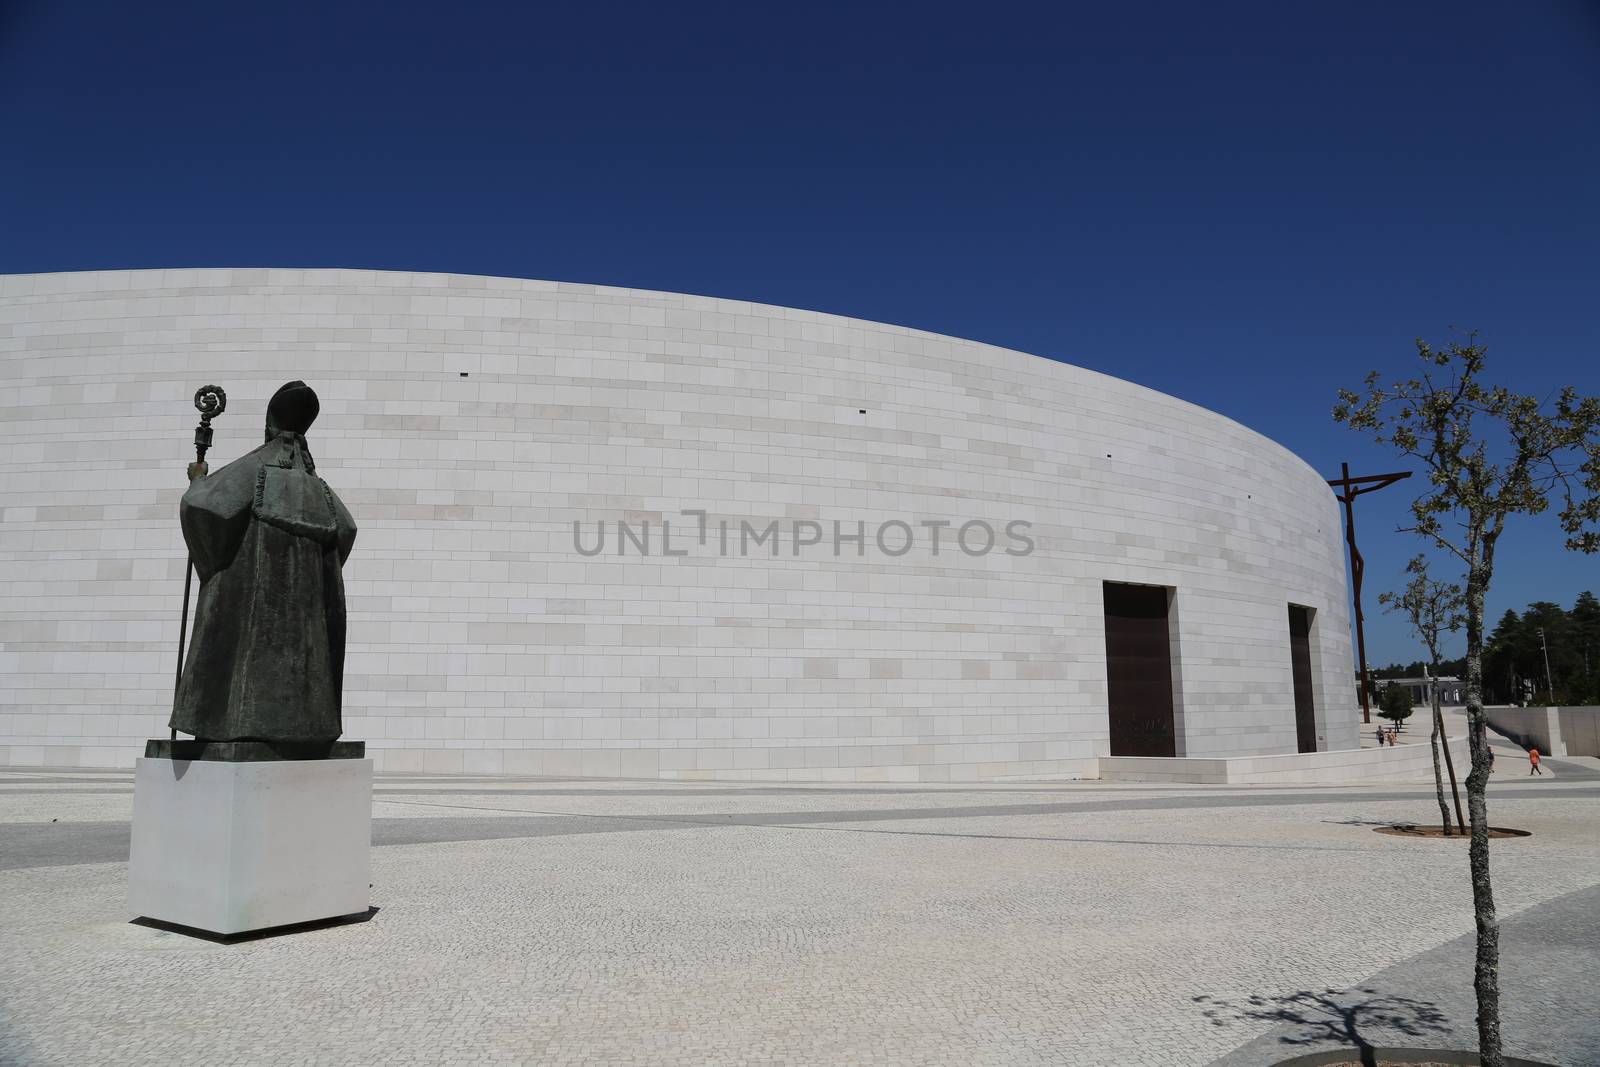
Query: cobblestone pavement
<point x="566" y="921"/>
<point x="1547" y="983"/>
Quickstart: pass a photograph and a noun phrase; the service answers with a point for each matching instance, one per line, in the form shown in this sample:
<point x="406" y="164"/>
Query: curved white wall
<point x="482" y="640"/>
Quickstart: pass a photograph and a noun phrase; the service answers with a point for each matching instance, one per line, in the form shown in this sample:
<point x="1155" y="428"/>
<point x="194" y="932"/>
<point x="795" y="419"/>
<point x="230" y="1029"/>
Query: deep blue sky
<point x="1245" y="204"/>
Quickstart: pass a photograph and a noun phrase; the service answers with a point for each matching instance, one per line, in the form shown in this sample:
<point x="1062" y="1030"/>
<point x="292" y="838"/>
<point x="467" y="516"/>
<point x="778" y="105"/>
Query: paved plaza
<point x="539" y="920"/>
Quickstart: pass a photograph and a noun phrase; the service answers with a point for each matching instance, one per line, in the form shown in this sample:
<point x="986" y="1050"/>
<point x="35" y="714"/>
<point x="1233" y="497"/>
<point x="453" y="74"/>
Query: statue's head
<point x="292" y="408"/>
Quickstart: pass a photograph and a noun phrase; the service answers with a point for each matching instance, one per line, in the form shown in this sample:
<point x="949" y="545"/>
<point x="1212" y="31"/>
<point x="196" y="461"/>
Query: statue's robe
<point x="268" y="539"/>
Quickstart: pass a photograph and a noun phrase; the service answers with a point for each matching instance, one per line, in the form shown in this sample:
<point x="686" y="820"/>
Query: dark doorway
<point x="1305" y="708"/>
<point x="1139" y="671"/>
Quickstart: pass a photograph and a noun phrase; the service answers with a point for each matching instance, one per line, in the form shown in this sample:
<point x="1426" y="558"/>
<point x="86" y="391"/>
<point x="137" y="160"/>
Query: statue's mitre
<point x="294" y="407"/>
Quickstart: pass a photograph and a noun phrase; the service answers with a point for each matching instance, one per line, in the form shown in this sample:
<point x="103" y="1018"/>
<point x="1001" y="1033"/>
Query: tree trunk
<point x="1450" y="769"/>
<point x="1486" y="973"/>
<point x="1438" y="777"/>
<point x="1443" y="738"/>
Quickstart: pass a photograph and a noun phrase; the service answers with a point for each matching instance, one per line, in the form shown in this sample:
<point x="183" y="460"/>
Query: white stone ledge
<point x="1406" y="762"/>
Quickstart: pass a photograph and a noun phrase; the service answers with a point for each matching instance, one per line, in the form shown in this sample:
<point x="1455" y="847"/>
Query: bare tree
<point x="1434" y="609"/>
<point x="1449" y="421"/>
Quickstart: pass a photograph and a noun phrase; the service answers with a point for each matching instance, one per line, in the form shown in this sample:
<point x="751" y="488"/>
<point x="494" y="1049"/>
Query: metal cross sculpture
<point x="1349" y="488"/>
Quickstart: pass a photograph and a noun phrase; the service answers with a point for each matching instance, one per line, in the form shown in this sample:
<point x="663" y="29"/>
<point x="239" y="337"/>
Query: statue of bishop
<point x="268" y="539"/>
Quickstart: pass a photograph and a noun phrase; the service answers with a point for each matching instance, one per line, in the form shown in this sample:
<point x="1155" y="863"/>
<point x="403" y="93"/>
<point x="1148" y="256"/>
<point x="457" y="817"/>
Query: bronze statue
<point x="268" y="539"/>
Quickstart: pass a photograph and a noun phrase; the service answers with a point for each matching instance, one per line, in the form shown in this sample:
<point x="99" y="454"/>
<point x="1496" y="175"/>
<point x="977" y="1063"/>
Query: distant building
<point x="1451" y="691"/>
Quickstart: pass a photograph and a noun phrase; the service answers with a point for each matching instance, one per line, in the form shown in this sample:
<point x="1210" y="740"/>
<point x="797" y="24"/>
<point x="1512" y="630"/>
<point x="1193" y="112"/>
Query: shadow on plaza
<point x="255" y="935"/>
<point x="1332" y="1017"/>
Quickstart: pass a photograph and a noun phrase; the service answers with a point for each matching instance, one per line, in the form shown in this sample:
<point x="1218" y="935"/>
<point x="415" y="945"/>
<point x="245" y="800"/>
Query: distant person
<point x="1379" y="732"/>
<point x="1491" y="761"/>
<point x="1533" y="763"/>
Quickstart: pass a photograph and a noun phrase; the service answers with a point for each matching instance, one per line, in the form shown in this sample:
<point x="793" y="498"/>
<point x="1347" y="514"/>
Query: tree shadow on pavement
<point x="1332" y="1016"/>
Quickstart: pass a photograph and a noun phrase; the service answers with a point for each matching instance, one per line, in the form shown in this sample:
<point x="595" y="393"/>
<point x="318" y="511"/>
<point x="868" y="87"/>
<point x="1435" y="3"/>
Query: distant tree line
<point x="1513" y="659"/>
<point x="1514" y="656"/>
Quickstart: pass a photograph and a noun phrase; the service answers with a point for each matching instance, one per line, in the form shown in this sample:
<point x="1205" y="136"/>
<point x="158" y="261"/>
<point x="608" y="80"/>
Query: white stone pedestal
<point x="234" y="847"/>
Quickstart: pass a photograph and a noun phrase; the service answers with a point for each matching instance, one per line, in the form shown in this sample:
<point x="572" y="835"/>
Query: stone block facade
<point x="471" y="422"/>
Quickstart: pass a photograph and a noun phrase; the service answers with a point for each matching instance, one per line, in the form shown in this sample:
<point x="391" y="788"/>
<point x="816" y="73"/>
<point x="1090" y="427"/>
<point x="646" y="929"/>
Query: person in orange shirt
<point x="1533" y="762"/>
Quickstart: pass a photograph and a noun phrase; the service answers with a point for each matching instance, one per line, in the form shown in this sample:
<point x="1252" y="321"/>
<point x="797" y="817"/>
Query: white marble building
<point x="470" y="422"/>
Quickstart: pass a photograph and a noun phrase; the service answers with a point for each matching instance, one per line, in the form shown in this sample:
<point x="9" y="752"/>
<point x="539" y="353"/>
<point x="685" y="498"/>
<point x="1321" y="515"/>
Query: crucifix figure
<point x="1350" y="488"/>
